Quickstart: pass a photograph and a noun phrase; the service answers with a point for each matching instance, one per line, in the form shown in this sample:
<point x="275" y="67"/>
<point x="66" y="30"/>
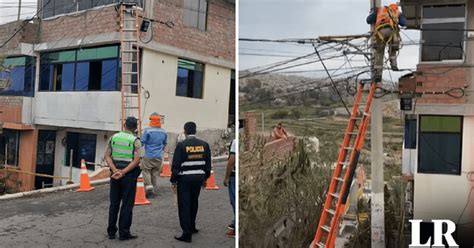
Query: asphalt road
<point x="70" y="219"/>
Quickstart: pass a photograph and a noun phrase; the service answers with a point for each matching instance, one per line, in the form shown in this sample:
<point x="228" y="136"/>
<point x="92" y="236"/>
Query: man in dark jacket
<point x="190" y="169"/>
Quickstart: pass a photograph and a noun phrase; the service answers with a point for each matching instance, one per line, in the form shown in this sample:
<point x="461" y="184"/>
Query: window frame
<point x="410" y="132"/>
<point x="76" y="162"/>
<point x="440" y="21"/>
<point x="232" y="99"/>
<point x="76" y="62"/>
<point x="77" y="10"/>
<point x="17" y="148"/>
<point x="29" y="68"/>
<point x="202" y="80"/>
<point x="419" y="144"/>
<point x="198" y="12"/>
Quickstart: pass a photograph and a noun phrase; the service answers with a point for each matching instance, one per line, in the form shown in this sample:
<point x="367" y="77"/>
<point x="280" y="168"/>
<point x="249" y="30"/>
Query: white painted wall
<point x="159" y="74"/>
<point x="27" y="110"/>
<point x="60" y="153"/>
<point x="94" y="110"/>
<point x="445" y="196"/>
<point x="409" y="158"/>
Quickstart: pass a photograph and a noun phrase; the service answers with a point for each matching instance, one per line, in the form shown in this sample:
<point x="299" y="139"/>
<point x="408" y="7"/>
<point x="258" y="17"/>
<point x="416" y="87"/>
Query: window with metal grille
<point x="9" y="146"/>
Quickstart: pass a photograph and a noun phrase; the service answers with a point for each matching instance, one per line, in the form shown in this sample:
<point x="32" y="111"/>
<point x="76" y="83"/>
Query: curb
<point x="76" y="185"/>
<point x="49" y="190"/>
<point x="219" y="159"/>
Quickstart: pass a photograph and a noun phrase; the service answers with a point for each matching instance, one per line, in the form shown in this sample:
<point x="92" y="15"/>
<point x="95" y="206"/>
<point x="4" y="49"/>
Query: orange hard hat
<point x="155" y="120"/>
<point x="393" y="6"/>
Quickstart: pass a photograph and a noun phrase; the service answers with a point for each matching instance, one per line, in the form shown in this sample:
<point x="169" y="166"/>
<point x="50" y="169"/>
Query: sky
<point x="279" y="19"/>
<point x="9" y="10"/>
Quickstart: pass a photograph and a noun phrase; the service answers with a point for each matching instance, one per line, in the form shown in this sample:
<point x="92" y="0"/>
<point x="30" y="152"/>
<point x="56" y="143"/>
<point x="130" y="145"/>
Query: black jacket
<point x="191" y="161"/>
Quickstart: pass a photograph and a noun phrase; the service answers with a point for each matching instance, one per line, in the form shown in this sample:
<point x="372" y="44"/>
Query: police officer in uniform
<point x="190" y="169"/>
<point x="123" y="156"/>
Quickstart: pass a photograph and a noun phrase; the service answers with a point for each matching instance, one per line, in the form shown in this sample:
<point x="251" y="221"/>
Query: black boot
<point x="184" y="238"/>
<point x="127" y="237"/>
<point x="394" y="67"/>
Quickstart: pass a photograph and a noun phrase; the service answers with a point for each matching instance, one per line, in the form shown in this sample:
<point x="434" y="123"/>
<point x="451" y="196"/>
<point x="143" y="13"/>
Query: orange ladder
<point x="346" y="165"/>
<point x="130" y="62"/>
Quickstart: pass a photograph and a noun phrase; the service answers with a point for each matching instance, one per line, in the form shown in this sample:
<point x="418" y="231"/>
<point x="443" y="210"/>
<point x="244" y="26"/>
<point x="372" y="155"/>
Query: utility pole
<point x="19" y="9"/>
<point x="376" y="145"/>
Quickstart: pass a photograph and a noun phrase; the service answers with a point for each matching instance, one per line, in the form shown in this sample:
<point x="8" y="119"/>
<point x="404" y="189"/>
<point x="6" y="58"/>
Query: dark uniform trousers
<point x="122" y="191"/>
<point x="190" y="168"/>
<point x="188" y="202"/>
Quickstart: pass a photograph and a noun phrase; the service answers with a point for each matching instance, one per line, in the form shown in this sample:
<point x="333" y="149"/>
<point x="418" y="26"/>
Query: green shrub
<point x="280" y="114"/>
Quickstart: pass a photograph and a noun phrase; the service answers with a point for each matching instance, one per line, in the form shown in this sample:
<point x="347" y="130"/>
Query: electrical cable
<point x="453" y="92"/>
<point x="25" y="22"/>
<point x="150" y="28"/>
<point x="306" y="83"/>
<point x="332" y="82"/>
<point x="267" y="70"/>
<point x="59" y="40"/>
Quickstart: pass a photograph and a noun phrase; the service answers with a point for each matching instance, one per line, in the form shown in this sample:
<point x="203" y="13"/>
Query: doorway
<point x="45" y="158"/>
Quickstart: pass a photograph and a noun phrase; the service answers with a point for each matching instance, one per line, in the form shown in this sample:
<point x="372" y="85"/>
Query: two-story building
<point x="63" y="77"/>
<point x="438" y="154"/>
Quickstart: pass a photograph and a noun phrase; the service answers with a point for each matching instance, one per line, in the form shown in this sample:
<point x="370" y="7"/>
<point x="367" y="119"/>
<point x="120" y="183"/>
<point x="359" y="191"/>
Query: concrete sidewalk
<point x="70" y="219"/>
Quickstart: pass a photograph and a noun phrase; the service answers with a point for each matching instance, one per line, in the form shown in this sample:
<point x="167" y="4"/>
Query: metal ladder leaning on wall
<point x="130" y="62"/>
<point x="346" y="165"/>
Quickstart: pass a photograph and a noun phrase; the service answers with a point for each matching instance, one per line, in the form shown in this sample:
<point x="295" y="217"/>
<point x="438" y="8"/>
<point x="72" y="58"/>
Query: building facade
<point x="62" y="82"/>
<point x="438" y="144"/>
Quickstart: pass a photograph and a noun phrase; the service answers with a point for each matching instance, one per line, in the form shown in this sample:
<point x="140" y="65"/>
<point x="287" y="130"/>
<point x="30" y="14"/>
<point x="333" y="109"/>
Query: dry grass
<point x="271" y="193"/>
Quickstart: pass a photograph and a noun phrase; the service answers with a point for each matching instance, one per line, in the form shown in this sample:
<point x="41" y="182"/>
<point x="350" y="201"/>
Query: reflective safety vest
<point x="387" y="17"/>
<point x="123" y="146"/>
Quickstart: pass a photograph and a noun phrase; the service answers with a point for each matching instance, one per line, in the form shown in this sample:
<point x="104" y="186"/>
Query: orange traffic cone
<point x="211" y="182"/>
<point x="85" y="185"/>
<point x="166" y="168"/>
<point x="140" y="198"/>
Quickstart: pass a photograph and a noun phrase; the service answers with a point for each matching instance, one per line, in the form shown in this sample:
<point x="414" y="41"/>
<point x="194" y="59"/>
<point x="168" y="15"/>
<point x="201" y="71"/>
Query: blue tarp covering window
<point x="18" y="76"/>
<point x="87" y="69"/>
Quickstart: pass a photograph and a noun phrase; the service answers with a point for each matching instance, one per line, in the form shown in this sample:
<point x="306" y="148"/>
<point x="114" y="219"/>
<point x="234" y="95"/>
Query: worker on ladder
<point x="387" y="20"/>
